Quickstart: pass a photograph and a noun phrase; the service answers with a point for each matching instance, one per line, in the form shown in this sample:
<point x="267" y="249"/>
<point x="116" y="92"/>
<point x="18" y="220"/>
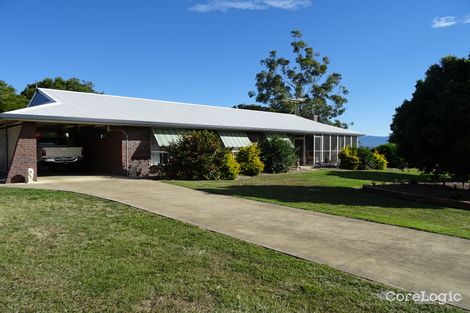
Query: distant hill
<point x="372" y="141"/>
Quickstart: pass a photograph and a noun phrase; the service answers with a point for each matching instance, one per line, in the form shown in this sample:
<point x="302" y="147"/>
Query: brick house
<point x="125" y="136"/>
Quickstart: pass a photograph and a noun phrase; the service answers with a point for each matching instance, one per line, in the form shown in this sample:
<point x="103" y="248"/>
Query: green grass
<point x="338" y="192"/>
<point x="63" y="252"/>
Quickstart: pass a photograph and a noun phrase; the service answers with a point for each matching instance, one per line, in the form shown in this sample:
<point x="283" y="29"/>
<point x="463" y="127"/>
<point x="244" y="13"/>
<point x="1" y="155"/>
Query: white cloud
<point x="226" y="5"/>
<point x="446" y="21"/>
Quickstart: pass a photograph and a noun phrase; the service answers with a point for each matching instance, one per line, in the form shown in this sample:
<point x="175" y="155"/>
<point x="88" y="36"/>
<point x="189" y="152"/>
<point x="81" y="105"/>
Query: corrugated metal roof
<point x="233" y="139"/>
<point x="78" y="107"/>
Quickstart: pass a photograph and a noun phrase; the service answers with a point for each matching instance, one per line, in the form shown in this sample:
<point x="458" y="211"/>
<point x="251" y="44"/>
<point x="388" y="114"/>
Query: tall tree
<point x="302" y="85"/>
<point x="72" y="84"/>
<point x="9" y="99"/>
<point x="432" y="130"/>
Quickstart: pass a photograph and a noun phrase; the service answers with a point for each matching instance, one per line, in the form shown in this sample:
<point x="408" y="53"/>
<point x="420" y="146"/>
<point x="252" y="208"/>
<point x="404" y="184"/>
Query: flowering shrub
<point x="249" y="159"/>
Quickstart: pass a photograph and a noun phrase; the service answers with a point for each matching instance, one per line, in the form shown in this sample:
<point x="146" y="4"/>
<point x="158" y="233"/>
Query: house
<point x="125" y="136"/>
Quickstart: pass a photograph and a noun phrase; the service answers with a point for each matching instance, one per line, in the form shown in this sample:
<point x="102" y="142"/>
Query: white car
<point x="58" y="151"/>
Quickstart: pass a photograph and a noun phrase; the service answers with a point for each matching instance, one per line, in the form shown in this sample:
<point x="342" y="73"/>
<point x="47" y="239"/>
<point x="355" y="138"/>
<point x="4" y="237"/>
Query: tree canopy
<point x="254" y="107"/>
<point x="301" y="85"/>
<point x="72" y="84"/>
<point x="9" y="99"/>
<point x="432" y="129"/>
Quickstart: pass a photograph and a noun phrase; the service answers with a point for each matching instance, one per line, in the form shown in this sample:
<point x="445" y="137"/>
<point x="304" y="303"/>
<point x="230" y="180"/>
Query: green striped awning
<point x="233" y="139"/>
<point x="165" y="136"/>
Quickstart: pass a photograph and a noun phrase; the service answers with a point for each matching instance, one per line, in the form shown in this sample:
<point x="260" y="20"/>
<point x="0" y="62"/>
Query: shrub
<point x="366" y="160"/>
<point x="348" y="158"/>
<point x="277" y="154"/>
<point x="230" y="168"/>
<point x="158" y="171"/>
<point x="379" y="161"/>
<point x="389" y="150"/>
<point x="197" y="155"/>
<point x="249" y="160"/>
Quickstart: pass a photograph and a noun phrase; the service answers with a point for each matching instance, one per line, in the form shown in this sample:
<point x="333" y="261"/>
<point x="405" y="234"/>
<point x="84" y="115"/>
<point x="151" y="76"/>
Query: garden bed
<point x="442" y="195"/>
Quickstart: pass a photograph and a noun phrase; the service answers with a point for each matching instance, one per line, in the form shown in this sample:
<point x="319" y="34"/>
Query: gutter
<point x="97" y="121"/>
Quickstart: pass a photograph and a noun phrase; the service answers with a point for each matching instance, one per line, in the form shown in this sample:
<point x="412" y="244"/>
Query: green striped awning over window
<point x="233" y="139"/>
<point x="165" y="136"/>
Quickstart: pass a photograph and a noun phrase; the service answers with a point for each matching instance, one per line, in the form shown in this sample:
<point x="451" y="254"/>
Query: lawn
<point x="338" y="192"/>
<point x="64" y="252"/>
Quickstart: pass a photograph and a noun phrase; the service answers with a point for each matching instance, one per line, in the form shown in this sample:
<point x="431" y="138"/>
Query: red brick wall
<point x="25" y="155"/>
<point x="138" y="155"/>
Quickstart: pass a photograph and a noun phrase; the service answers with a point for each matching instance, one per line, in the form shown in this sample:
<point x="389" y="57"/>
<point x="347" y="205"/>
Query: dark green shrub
<point x="249" y="160"/>
<point x="197" y="155"/>
<point x="230" y="168"/>
<point x="389" y="150"/>
<point x="277" y="154"/>
<point x="348" y="158"/>
<point x="366" y="160"/>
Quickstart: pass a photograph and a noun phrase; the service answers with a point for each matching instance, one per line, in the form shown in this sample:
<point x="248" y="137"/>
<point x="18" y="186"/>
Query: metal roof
<point x="89" y="108"/>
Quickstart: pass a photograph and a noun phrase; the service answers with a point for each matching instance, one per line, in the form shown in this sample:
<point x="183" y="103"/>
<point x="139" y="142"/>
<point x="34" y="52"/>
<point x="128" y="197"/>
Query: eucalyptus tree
<point x="301" y="85"/>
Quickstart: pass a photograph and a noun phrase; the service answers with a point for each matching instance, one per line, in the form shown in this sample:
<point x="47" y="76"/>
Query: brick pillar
<point x="136" y="147"/>
<point x="25" y="155"/>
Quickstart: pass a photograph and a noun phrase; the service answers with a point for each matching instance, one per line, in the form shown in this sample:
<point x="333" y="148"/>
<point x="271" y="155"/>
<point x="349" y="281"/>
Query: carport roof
<point x="59" y="106"/>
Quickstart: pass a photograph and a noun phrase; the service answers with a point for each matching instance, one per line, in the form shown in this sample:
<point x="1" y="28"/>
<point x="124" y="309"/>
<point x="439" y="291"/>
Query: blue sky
<point x="208" y="51"/>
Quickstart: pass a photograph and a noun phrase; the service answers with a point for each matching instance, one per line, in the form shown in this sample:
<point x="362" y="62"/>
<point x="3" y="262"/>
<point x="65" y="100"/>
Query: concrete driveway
<point x="409" y="259"/>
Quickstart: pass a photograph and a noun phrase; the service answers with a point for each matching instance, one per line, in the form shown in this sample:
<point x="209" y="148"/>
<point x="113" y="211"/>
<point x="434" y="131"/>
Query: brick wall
<point x="25" y="155"/>
<point x="107" y="151"/>
<point x="138" y="153"/>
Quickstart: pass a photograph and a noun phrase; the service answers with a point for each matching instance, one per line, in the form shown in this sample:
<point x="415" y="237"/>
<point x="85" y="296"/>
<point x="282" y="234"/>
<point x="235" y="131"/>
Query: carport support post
<point x="127" y="151"/>
<point x="127" y="146"/>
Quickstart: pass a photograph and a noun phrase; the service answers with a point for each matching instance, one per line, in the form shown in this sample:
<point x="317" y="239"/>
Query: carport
<point x="110" y="150"/>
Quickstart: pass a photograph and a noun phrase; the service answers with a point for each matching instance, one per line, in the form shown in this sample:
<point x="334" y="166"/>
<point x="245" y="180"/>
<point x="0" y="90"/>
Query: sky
<point x="209" y="51"/>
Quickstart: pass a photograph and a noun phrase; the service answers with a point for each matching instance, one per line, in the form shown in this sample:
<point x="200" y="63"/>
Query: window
<point x="159" y="157"/>
<point x="157" y="153"/>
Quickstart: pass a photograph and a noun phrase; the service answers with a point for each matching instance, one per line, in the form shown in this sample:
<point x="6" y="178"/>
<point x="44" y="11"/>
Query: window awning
<point x="233" y="139"/>
<point x="165" y="136"/>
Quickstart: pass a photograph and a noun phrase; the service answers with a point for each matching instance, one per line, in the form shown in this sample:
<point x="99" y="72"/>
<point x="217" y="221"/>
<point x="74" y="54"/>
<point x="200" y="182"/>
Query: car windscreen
<point x="52" y="142"/>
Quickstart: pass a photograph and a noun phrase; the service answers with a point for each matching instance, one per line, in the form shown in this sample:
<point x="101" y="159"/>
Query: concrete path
<point x="409" y="259"/>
